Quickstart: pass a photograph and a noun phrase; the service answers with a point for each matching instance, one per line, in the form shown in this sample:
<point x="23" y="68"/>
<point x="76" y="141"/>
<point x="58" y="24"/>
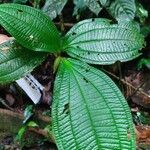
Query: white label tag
<point x="31" y="87"/>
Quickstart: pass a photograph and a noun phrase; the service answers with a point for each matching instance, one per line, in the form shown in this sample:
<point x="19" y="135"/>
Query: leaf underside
<point x="16" y="61"/>
<point x="88" y="110"/>
<point x="97" y="41"/>
<point x="30" y="27"/>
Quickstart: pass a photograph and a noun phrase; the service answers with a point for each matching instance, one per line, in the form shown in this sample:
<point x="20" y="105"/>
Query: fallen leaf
<point x="3" y="38"/>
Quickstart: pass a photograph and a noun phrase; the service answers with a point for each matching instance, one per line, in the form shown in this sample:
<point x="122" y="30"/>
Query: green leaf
<point x="144" y="62"/>
<point x="119" y="9"/>
<point x="142" y="118"/>
<point x="21" y="134"/>
<point x="54" y="7"/>
<point x="28" y="113"/>
<point x="32" y="124"/>
<point x="93" y="5"/>
<point x="122" y="9"/>
<point x="141" y="12"/>
<point x="103" y="2"/>
<point x="145" y="30"/>
<point x="88" y="111"/>
<point x="30" y="27"/>
<point x="97" y="41"/>
<point x="79" y="6"/>
<point x="16" y="61"/>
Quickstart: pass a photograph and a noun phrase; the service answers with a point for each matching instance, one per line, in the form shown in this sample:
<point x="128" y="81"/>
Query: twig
<point x="65" y="24"/>
<point x="120" y="75"/>
<point x="62" y="26"/>
<point x="137" y="89"/>
<point x="127" y="83"/>
<point x="2" y="101"/>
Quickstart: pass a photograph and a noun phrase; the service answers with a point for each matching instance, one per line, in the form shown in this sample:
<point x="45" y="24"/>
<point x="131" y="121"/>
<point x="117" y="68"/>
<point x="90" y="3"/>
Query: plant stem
<point x="36" y="4"/>
<point x="65" y="24"/>
<point x="62" y="26"/>
<point x="120" y="76"/>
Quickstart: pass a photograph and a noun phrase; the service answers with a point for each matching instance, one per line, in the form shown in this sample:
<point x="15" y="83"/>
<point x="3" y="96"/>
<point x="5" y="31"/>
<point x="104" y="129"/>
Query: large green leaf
<point x="97" y="41"/>
<point x="122" y="9"/>
<point x="54" y="7"/>
<point x="16" y="61"/>
<point x="89" y="112"/>
<point x="30" y="27"/>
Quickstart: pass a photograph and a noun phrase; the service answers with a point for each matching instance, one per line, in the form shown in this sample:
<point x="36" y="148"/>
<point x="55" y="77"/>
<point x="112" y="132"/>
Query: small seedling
<point x="88" y="109"/>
